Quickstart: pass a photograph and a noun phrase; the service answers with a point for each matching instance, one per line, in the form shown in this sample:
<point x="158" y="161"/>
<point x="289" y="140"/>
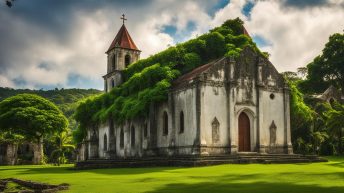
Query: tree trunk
<point x="38" y="152"/>
<point x="11" y="154"/>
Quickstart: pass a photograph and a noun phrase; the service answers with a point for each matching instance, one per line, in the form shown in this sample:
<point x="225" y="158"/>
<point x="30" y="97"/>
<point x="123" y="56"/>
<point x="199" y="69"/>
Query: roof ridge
<point x="195" y="72"/>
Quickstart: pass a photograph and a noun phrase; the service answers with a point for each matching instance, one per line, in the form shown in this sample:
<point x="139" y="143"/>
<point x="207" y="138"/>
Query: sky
<point x="46" y="44"/>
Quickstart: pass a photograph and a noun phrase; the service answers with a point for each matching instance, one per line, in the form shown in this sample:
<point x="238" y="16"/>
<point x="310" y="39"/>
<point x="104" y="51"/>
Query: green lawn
<point x="251" y="178"/>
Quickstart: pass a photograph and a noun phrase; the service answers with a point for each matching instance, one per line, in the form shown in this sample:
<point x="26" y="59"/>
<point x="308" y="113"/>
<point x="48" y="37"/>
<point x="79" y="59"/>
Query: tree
<point x="289" y="75"/>
<point x="62" y="142"/>
<point x="301" y="118"/>
<point x="327" y="68"/>
<point x="302" y="72"/>
<point x="318" y="138"/>
<point x="33" y="117"/>
<point x="335" y="123"/>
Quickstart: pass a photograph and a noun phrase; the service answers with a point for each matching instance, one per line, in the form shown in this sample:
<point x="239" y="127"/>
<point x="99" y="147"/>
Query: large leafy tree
<point x="33" y="117"/>
<point x="327" y="68"/>
<point x="301" y="115"/>
<point x="335" y="123"/>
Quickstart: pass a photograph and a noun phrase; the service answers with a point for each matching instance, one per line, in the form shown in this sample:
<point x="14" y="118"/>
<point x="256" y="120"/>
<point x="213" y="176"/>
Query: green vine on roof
<point x="148" y="80"/>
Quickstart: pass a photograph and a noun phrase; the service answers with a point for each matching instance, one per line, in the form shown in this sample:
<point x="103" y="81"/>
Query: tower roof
<point x="123" y="40"/>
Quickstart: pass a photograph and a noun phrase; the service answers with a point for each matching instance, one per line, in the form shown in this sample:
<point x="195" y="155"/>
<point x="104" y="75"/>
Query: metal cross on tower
<point x="123" y="18"/>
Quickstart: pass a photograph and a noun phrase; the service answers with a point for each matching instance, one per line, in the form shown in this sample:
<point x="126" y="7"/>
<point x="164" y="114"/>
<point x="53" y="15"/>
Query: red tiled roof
<point x="123" y="40"/>
<point x="184" y="79"/>
<point x="245" y="32"/>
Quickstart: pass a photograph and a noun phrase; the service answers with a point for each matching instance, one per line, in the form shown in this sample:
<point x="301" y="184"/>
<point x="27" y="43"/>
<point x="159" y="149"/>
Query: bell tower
<point x="120" y="54"/>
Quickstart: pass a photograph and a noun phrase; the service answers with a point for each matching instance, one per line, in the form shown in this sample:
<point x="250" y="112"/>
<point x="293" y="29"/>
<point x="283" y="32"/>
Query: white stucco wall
<point x="184" y="100"/>
<point x="213" y="104"/>
<point x="272" y="110"/>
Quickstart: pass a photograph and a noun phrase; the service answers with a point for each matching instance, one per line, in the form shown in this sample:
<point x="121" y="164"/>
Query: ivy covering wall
<point x="148" y="80"/>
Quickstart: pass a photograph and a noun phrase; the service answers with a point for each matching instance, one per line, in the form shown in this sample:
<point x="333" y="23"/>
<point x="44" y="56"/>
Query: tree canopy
<point x="31" y="115"/>
<point x="335" y="123"/>
<point x="328" y="68"/>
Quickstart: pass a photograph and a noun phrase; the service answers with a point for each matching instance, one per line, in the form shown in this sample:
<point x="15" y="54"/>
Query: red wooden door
<point x="244" y="133"/>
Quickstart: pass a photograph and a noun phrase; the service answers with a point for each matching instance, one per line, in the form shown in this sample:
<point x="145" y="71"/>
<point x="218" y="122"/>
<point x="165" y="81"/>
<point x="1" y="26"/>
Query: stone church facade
<point x="227" y="106"/>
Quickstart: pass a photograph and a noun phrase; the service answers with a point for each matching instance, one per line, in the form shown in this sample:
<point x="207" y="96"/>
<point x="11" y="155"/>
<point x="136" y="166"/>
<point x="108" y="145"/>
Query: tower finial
<point x="123" y="18"/>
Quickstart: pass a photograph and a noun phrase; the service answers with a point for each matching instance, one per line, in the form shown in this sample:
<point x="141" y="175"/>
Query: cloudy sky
<point x="61" y="43"/>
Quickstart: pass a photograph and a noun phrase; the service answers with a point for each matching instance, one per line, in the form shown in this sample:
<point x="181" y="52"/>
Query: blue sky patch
<point x="182" y="35"/>
<point x="220" y="4"/>
<point x="261" y="42"/>
<point x="78" y="81"/>
<point x="170" y="30"/>
<point x="247" y="8"/>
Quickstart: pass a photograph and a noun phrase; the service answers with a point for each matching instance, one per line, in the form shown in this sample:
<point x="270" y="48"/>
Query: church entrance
<point x="244" y="133"/>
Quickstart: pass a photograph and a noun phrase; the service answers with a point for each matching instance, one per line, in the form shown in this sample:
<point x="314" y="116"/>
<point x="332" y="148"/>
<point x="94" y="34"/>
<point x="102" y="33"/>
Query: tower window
<point x="121" y="139"/>
<point x="132" y="136"/>
<point x="165" y="124"/>
<point x="127" y="60"/>
<point x="181" y="122"/>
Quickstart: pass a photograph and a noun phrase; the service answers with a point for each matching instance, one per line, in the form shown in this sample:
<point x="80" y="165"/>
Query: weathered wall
<point x="272" y="114"/>
<point x="212" y="103"/>
<point x="103" y="148"/>
<point x="184" y="101"/>
<point x="214" y="122"/>
<point x="129" y="148"/>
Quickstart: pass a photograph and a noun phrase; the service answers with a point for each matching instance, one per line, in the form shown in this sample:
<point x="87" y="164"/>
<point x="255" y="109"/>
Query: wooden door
<point x="244" y="133"/>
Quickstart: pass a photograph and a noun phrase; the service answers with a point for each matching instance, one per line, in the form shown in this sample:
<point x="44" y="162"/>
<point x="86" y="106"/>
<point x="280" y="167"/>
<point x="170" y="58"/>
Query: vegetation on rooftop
<point x="147" y="81"/>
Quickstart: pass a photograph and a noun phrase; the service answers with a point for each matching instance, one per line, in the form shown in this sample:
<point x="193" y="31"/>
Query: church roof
<point x="123" y="40"/>
<point x="184" y="79"/>
<point x="330" y="92"/>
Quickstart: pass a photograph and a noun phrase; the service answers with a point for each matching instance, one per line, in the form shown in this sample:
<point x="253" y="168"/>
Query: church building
<point x="225" y="107"/>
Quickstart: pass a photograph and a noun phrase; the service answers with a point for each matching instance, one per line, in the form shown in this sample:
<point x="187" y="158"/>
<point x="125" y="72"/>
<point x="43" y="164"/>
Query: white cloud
<point x="5" y="82"/>
<point x="296" y="36"/>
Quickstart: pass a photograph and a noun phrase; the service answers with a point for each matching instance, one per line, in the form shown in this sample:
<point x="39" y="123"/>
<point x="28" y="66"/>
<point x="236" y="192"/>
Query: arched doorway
<point x="244" y="133"/>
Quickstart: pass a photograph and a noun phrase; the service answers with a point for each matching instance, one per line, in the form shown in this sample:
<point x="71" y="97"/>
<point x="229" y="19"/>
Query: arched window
<point x="105" y="142"/>
<point x="121" y="139"/>
<point x="132" y="136"/>
<point x="145" y="130"/>
<point x="165" y="124"/>
<point x="127" y="60"/>
<point x="113" y="63"/>
<point x="181" y="122"/>
<point x="112" y="83"/>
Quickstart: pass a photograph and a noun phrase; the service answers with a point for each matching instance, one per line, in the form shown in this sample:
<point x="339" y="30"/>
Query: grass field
<point x="251" y="178"/>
